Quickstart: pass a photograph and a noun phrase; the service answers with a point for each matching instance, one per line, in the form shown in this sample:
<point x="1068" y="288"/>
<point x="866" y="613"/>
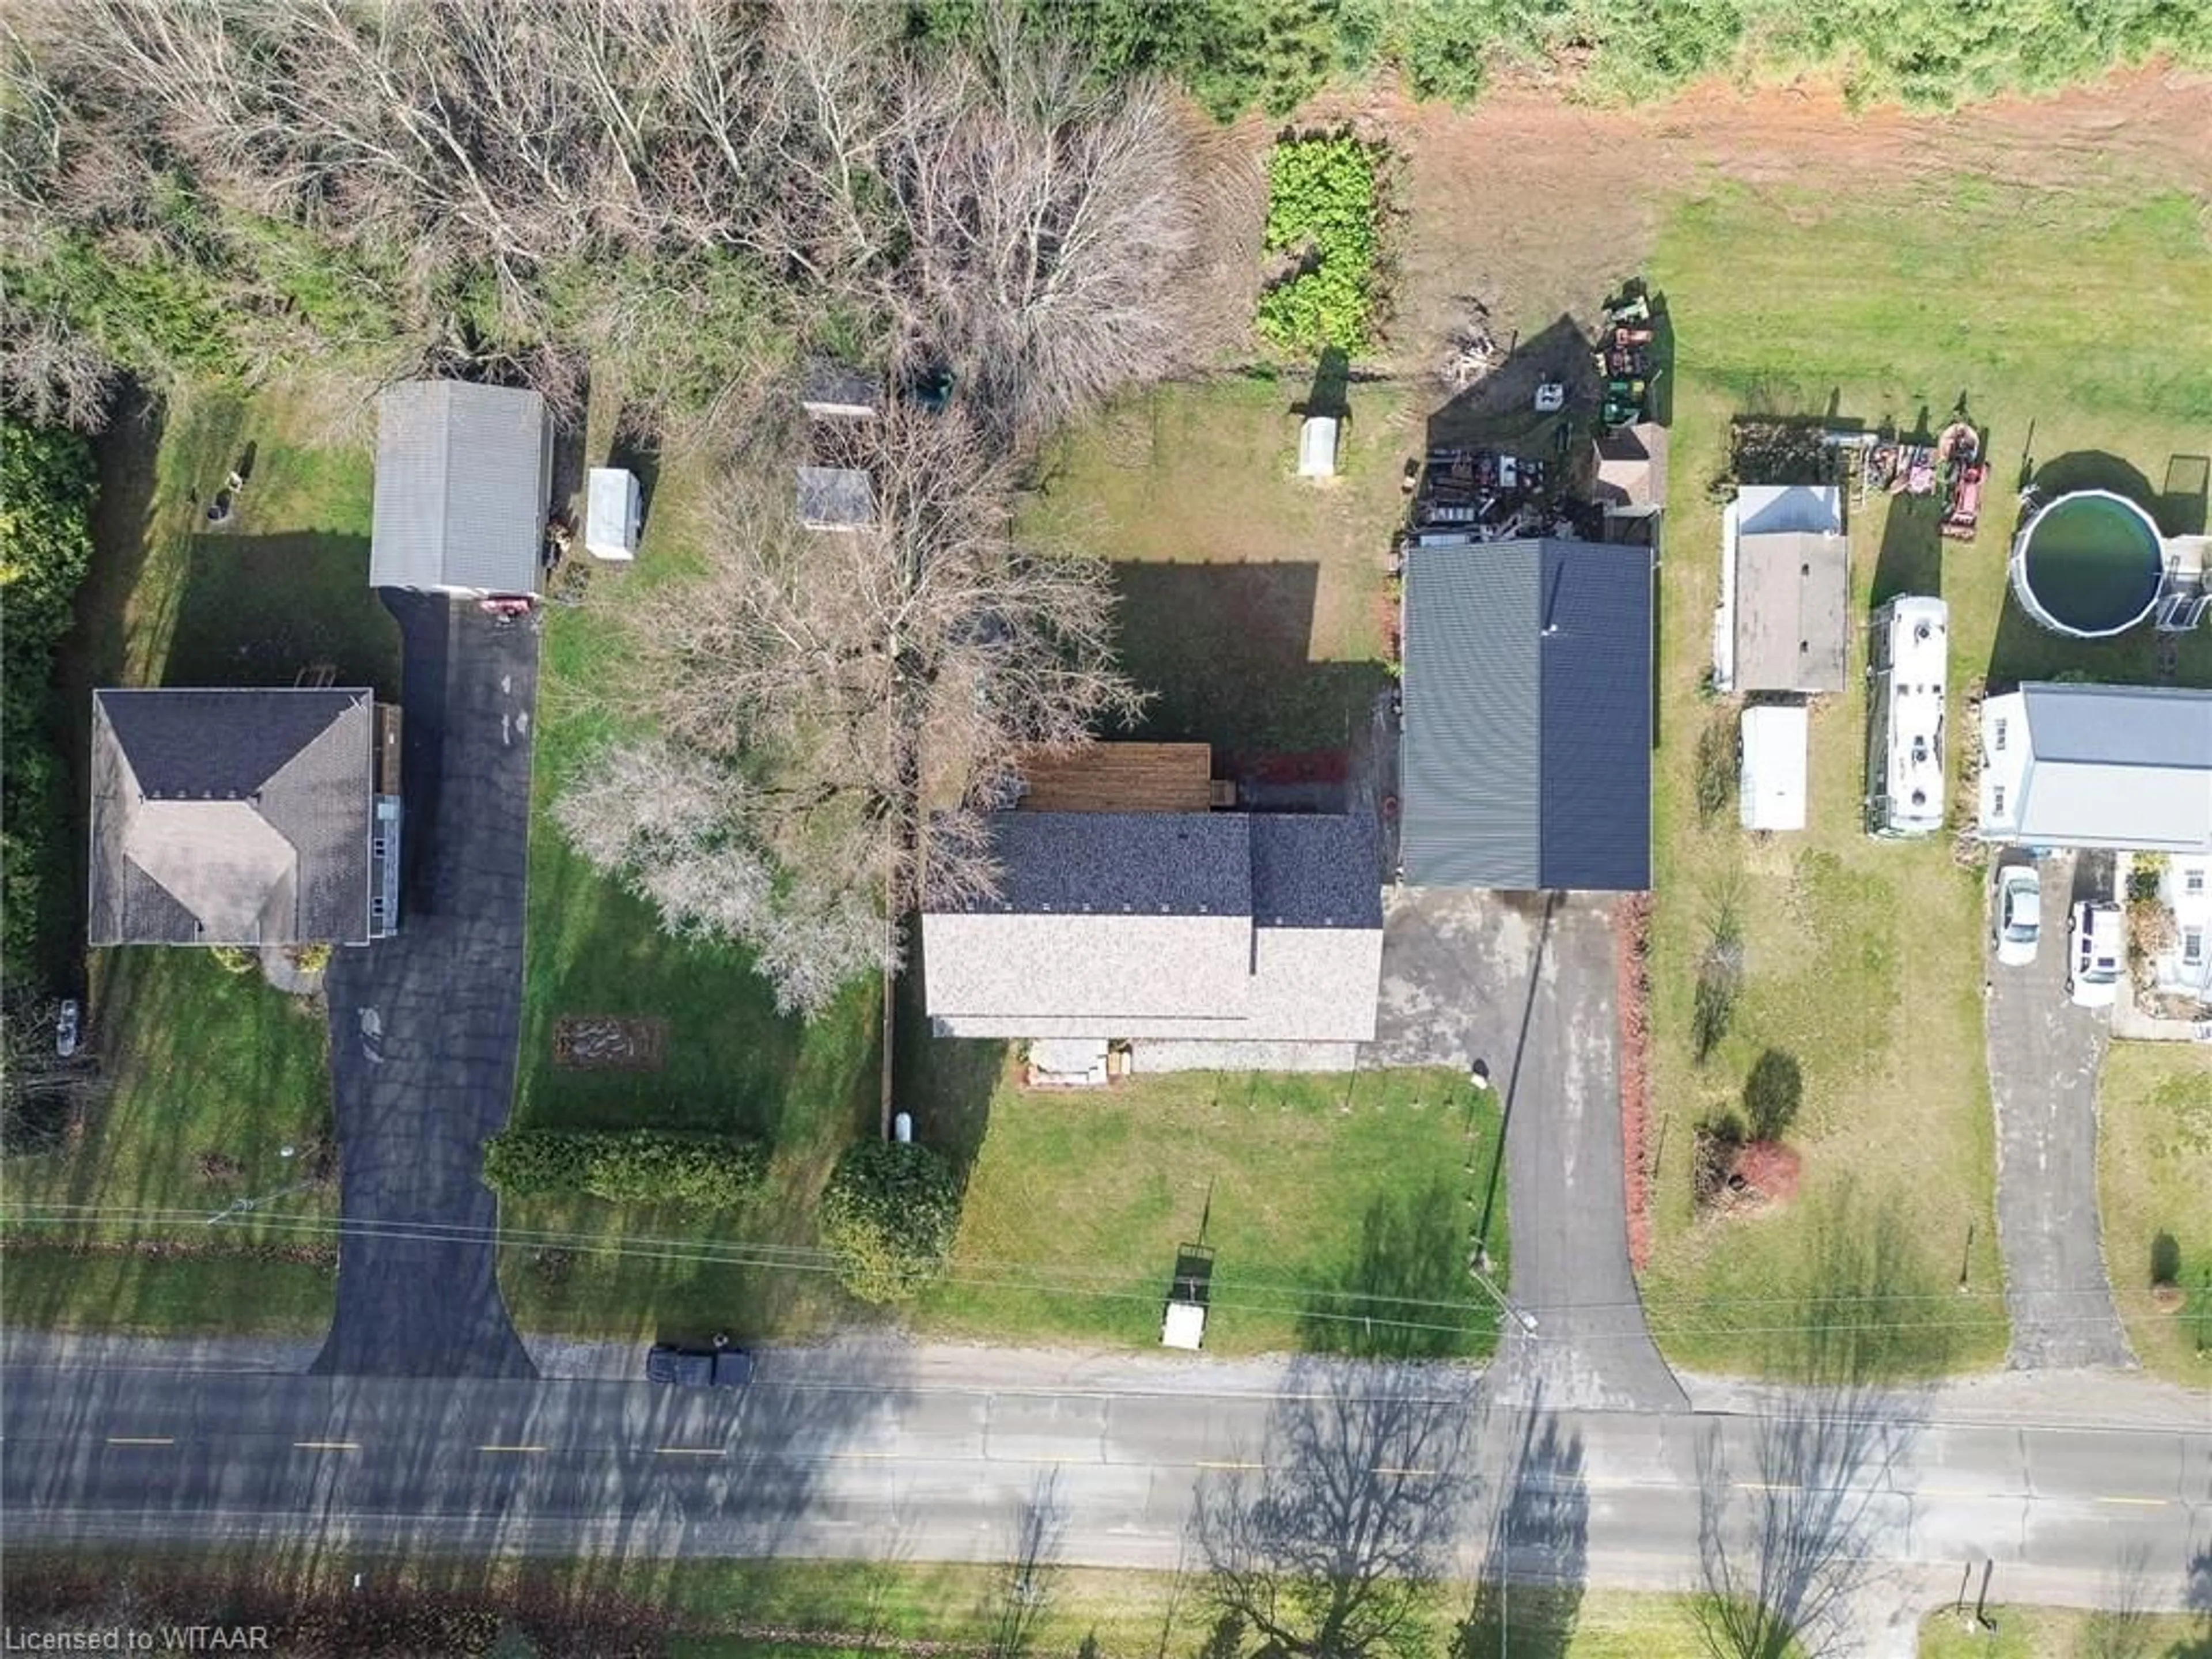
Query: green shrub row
<point x="889" y="1212"/>
<point x="1322" y="207"/>
<point x="47" y="482"/>
<point x="1237" y="55"/>
<point x="635" y="1166"/>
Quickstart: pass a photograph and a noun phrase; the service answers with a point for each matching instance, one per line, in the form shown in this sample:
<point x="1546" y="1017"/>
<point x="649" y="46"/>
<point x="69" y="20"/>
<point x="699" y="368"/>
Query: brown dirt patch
<point x="1631" y="936"/>
<point x="1539" y="207"/>
<point x="609" y="1042"/>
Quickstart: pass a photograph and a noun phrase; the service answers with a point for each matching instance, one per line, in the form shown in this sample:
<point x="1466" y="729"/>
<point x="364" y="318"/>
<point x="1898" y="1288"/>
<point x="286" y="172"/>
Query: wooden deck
<point x="1121" y="777"/>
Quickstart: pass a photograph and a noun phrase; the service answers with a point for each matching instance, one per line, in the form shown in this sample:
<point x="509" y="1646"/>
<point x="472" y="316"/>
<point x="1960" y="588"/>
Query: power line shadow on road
<point x="1333" y="1538"/>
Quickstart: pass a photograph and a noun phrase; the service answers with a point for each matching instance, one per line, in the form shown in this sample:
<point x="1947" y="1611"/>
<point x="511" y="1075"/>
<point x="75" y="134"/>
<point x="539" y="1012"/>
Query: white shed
<point x="1318" y="448"/>
<point x="1771" y="786"/>
<point x="614" y="508"/>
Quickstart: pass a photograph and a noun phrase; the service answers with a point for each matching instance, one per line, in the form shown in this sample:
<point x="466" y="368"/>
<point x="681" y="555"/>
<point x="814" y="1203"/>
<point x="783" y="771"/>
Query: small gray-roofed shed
<point x="230" y="817"/>
<point x="1526" y="732"/>
<point x="834" y="391"/>
<point x="463" y="476"/>
<point x="1793" y="594"/>
<point x="835" y="498"/>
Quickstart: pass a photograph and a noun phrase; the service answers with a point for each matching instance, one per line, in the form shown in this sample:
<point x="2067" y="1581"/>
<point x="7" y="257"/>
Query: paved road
<point x="865" y="1455"/>
<point x="2044" y="1053"/>
<point x="423" y="1026"/>
<point x="1526" y="983"/>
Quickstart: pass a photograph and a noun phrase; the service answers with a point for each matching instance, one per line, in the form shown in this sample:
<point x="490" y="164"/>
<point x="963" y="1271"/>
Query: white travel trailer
<point x="1908" y="661"/>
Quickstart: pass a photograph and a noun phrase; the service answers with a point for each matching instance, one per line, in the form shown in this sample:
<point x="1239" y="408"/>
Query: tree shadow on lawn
<point x="94" y="654"/>
<point x="1407" y="1295"/>
<point x="1227" y="650"/>
<point x="255" y="610"/>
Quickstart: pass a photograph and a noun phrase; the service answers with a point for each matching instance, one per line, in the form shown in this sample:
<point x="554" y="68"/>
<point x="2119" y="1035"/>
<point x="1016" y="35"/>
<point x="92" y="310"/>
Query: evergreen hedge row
<point x="638" y="1166"/>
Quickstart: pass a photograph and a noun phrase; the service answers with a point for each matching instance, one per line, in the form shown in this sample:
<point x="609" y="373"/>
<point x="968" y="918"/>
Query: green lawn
<point x="1863" y="959"/>
<point x="731" y="1063"/>
<point x="713" y="1609"/>
<point x="1253" y="602"/>
<point x="2154" y="1129"/>
<point x="2055" y="1632"/>
<point x="211" y="1074"/>
<point x="1339" y="1206"/>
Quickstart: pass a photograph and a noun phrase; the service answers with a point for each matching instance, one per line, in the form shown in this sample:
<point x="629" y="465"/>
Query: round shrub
<point x="889" y="1212"/>
<point x="235" y="958"/>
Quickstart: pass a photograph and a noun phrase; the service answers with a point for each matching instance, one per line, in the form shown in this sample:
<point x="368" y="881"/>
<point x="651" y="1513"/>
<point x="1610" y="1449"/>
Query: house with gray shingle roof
<point x="463" y="479"/>
<point x="241" y="817"/>
<point x="1526" y="738"/>
<point x="1177" y="932"/>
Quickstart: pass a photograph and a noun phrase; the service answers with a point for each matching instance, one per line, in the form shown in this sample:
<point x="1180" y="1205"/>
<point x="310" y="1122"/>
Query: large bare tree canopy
<point x="833" y="708"/>
<point x="566" y="164"/>
<point x="673" y="196"/>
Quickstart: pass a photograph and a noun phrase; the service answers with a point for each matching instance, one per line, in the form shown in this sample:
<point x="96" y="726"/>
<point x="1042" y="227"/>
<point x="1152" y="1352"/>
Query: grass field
<point x="1252" y="602"/>
<point x="732" y="1063"/>
<point x="1863" y="959"/>
<point x="1338" y="1208"/>
<point x="212" y="1073"/>
<point x="712" y="1609"/>
<point x="2154" y="1126"/>
<point x="2058" y="1632"/>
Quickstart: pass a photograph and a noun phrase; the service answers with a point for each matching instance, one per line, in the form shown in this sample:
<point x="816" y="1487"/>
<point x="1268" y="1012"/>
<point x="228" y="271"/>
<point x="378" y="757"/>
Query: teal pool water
<point x="2092" y="563"/>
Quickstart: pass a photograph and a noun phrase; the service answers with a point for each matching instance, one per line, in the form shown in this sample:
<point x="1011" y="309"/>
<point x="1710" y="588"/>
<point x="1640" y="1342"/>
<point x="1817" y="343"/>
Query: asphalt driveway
<point x="424" y="1024"/>
<point x="1525" y="982"/>
<point x="2044" y="1053"/>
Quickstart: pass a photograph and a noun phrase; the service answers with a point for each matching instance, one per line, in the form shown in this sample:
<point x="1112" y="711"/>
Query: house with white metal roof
<point x="463" y="479"/>
<point x="2123" y="767"/>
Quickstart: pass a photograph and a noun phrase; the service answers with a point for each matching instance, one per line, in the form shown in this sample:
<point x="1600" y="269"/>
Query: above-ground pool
<point x="2088" y="564"/>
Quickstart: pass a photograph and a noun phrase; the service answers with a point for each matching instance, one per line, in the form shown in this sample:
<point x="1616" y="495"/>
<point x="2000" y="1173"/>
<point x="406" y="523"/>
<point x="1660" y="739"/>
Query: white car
<point x="2019" y="914"/>
<point x="2095" y="955"/>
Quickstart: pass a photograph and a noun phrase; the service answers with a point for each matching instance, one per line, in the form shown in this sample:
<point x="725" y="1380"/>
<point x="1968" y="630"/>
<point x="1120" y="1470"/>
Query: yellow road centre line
<point x="510" y="1449"/>
<point x="1203" y="1464"/>
<point x="687" y="1451"/>
<point x="326" y="1445"/>
<point x="140" y="1440"/>
<point x="1421" y="1474"/>
<point x="2139" y="1502"/>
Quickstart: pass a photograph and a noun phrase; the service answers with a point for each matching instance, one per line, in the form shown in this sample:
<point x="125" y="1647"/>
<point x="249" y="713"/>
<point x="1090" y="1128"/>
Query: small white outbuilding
<point x="1772" y="785"/>
<point x="614" y="510"/>
<point x="1318" y="448"/>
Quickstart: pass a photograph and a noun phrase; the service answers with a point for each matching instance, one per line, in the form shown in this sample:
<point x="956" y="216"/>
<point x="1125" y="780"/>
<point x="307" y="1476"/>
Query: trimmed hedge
<point x="633" y="1166"/>
<point x="889" y="1212"/>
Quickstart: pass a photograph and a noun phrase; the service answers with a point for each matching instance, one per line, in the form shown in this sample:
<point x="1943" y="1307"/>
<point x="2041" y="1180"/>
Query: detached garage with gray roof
<point x="463" y="479"/>
<point x="1527" y="736"/>
<point x="1199" y="927"/>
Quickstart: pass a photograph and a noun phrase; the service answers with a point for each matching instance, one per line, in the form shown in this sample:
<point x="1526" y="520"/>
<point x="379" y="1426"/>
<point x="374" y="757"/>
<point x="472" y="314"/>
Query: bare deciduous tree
<point x="838" y="706"/>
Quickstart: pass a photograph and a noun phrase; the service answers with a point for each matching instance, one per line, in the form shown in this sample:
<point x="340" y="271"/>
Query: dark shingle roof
<point x="1182" y="864"/>
<point x="1527" y="716"/>
<point x="1313" y="871"/>
<point x="230" y="817"/>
